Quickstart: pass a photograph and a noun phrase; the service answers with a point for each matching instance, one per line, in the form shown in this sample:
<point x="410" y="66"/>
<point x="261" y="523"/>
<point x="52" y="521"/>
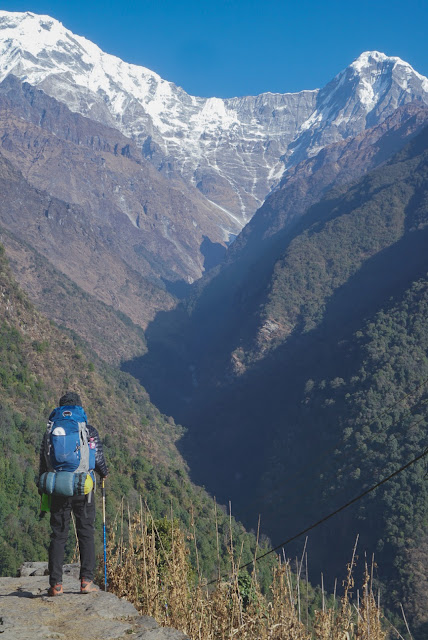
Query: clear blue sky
<point x="229" y="48"/>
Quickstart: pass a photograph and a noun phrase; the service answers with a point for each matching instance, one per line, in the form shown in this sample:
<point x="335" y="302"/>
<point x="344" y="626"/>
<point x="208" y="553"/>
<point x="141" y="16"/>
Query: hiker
<point x="55" y="476"/>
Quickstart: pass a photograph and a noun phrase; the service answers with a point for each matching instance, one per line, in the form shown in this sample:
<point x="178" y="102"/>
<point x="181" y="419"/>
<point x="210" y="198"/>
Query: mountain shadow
<point x="213" y="253"/>
<point x="351" y="280"/>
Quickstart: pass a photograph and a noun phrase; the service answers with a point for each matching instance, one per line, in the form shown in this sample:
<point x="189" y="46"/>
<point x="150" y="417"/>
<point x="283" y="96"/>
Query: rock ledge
<point x="27" y="613"/>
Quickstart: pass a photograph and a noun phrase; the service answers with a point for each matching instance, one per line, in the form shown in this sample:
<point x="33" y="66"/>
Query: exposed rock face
<point x="110" y="334"/>
<point x="27" y="613"/>
<point x="156" y="225"/>
<point x="230" y="325"/>
<point x="338" y="164"/>
<point x="51" y="224"/>
<point x="359" y="97"/>
<point x="234" y="150"/>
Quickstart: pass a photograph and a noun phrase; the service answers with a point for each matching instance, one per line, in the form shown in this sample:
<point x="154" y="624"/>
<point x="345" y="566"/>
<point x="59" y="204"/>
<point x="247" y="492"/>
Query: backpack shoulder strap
<point x="47" y="444"/>
<point x="84" y="448"/>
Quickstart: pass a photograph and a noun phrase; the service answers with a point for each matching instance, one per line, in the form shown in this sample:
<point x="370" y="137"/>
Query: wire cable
<point x="333" y="513"/>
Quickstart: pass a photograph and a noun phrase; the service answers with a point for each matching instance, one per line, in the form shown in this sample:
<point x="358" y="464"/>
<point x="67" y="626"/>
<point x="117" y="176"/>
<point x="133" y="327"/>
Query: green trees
<point x="39" y="362"/>
<point x="378" y="417"/>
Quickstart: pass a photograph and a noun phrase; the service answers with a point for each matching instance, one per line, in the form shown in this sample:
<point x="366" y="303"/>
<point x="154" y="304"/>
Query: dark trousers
<point x="84" y="513"/>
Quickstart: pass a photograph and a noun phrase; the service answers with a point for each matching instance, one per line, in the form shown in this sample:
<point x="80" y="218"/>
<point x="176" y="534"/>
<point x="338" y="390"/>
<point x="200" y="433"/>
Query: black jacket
<point x="100" y="463"/>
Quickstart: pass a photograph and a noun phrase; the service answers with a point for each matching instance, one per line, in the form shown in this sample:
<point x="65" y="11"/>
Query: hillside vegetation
<point x="365" y="415"/>
<point x="152" y="570"/>
<point x="313" y="236"/>
<point x="346" y="230"/>
<point x="39" y="362"/>
<point x="300" y="388"/>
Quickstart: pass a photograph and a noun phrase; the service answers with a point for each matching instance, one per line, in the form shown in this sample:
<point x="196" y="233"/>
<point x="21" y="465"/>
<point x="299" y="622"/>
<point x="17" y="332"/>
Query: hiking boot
<point x="55" y="590"/>
<point x="87" y="586"/>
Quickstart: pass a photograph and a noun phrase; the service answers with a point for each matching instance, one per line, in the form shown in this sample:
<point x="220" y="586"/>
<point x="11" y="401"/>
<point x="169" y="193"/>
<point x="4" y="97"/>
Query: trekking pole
<point x="104" y="535"/>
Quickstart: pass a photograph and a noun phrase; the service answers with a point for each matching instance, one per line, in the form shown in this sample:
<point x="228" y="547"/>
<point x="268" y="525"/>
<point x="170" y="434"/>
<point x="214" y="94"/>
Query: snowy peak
<point x="359" y="97"/>
<point x="40" y="35"/>
<point x="369" y="60"/>
<point x="234" y="150"/>
<point x="38" y="47"/>
<point x="375" y="70"/>
<point x="373" y="74"/>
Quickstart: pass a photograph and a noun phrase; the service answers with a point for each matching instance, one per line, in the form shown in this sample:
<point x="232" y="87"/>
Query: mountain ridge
<point x="110" y="334"/>
<point x="223" y="324"/>
<point x="50" y="222"/>
<point x="234" y="150"/>
<point x="97" y="168"/>
<point x="348" y="289"/>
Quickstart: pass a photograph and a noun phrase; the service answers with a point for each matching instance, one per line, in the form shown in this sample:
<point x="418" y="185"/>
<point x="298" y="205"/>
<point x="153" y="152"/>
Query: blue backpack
<point x="70" y="456"/>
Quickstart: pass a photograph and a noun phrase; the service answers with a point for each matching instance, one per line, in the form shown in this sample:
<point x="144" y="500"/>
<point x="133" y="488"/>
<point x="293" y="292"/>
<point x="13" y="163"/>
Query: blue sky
<point x="229" y="48"/>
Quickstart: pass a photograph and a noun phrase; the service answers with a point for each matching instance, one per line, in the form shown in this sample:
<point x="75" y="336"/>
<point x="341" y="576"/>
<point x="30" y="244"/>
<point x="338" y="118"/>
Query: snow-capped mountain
<point x="360" y="97"/>
<point x="234" y="150"/>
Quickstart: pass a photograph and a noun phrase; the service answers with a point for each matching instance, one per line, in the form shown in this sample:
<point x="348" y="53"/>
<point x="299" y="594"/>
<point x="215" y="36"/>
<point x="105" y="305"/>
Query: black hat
<point x="70" y="398"/>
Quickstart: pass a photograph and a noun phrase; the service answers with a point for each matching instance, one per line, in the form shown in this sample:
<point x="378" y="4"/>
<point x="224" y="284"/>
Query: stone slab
<point x="28" y="613"/>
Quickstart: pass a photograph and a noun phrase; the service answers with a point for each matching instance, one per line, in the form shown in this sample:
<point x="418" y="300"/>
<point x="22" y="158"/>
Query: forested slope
<point x="39" y="362"/>
<point x="275" y="279"/>
<point x="359" y="417"/>
<point x="337" y="337"/>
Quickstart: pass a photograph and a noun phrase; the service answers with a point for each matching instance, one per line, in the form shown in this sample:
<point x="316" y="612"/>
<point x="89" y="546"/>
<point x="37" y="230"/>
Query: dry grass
<point x="152" y="570"/>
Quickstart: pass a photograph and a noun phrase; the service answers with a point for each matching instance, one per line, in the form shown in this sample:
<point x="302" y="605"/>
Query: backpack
<point x="70" y="455"/>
